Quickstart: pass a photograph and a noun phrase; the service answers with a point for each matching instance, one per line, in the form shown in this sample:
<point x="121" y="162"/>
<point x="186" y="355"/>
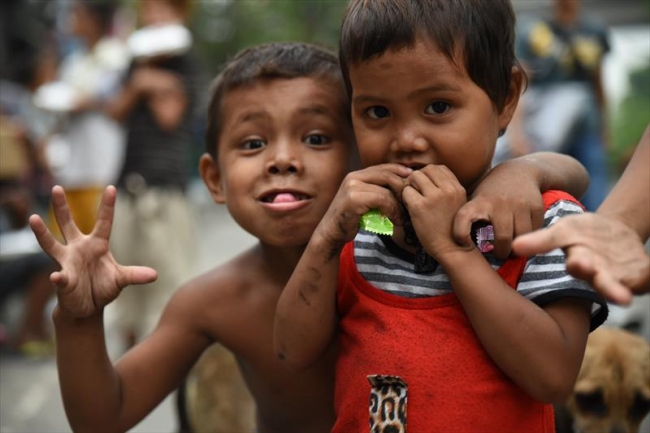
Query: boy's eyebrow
<point x="445" y="87"/>
<point x="250" y="116"/>
<point x="314" y="109"/>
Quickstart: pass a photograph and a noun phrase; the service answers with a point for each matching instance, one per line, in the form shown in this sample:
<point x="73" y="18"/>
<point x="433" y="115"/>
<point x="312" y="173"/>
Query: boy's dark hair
<point x="481" y="32"/>
<point x="268" y="62"/>
<point x="102" y="12"/>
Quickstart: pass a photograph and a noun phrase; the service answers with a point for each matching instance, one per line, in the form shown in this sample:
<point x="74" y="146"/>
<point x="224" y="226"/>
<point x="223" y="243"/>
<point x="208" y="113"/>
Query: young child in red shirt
<point x="433" y="333"/>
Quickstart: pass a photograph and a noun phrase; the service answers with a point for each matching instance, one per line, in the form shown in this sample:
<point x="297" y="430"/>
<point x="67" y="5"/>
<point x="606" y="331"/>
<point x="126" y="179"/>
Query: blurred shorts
<point x="155" y="228"/>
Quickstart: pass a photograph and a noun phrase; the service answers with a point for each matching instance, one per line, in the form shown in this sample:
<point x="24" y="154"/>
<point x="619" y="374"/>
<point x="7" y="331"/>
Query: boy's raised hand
<point x="89" y="278"/>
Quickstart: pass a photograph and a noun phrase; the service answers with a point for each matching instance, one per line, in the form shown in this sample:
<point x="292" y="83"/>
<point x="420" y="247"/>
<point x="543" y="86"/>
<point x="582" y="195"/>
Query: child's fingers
<point x="391" y="176"/>
<point x="45" y="239"/>
<point x="503" y="227"/>
<point x="523" y="223"/>
<point x="540" y="241"/>
<point x="105" y="213"/>
<point x="59" y="279"/>
<point x="467" y="215"/>
<point x="128" y="275"/>
<point x="612" y="289"/>
<point x="62" y="214"/>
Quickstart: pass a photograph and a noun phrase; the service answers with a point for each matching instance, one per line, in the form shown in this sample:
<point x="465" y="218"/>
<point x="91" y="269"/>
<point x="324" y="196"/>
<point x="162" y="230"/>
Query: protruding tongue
<point x="284" y="198"/>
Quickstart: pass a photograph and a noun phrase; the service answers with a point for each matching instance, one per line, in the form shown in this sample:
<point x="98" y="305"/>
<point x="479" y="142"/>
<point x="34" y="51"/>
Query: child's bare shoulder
<point x="218" y="299"/>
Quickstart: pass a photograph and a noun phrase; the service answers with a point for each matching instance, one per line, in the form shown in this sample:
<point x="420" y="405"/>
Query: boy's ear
<point x="209" y="171"/>
<point x="512" y="100"/>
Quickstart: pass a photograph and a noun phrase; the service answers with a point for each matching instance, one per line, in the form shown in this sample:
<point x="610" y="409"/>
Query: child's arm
<point x="305" y="317"/>
<point x="95" y="395"/>
<point x="606" y="248"/>
<point x="510" y="196"/>
<point x="539" y="349"/>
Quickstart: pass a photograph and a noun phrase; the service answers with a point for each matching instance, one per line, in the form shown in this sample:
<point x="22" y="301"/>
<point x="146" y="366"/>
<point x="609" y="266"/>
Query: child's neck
<point x="280" y="261"/>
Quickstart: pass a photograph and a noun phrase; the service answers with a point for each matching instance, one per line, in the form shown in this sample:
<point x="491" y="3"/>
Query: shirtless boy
<point x="279" y="144"/>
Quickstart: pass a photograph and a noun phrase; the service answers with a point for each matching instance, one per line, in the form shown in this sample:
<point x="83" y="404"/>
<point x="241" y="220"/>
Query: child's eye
<point x="316" y="139"/>
<point x="253" y="144"/>
<point x="377" y="112"/>
<point x="437" y="107"/>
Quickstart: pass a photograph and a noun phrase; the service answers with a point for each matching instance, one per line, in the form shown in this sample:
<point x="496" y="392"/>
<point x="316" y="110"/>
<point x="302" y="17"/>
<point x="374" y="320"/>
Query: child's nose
<point x="409" y="140"/>
<point x="284" y="159"/>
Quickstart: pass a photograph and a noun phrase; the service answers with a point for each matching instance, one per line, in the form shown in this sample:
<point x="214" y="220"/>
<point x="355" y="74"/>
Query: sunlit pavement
<point x="30" y="401"/>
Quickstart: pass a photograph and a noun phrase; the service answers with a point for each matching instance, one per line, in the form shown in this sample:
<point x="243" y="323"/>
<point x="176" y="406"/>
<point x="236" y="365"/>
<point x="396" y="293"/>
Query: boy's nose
<point x="284" y="159"/>
<point x="408" y="140"/>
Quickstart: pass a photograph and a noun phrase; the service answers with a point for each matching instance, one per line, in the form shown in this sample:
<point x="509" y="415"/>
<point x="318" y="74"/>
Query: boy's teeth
<point x="285" y="198"/>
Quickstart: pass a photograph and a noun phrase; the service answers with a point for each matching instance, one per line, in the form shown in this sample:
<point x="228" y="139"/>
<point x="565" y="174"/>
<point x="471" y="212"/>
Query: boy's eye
<point x="377" y="112"/>
<point x="316" y="139"/>
<point x="253" y="144"/>
<point x="437" y="107"/>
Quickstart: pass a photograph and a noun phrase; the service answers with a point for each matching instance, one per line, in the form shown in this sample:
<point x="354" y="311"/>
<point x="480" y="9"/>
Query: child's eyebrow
<point x="251" y="116"/>
<point x="315" y="109"/>
<point x="443" y="87"/>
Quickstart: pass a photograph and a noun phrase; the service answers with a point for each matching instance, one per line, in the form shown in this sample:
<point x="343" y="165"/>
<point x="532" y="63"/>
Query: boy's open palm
<point x="89" y="278"/>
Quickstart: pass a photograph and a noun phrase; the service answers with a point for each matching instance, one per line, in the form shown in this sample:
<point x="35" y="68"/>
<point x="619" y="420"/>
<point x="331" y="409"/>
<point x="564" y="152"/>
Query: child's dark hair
<point x="481" y="32"/>
<point x="102" y="12"/>
<point x="269" y="62"/>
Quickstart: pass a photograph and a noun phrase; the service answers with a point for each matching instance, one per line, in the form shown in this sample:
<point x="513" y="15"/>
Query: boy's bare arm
<point x="305" y="318"/>
<point x="510" y="196"/>
<point x="96" y="396"/>
<point x="552" y="171"/>
<point x="541" y="350"/>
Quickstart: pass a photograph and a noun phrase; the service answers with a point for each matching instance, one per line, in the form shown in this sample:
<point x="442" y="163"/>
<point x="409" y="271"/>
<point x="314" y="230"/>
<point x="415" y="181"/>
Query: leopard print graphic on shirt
<point x="388" y="398"/>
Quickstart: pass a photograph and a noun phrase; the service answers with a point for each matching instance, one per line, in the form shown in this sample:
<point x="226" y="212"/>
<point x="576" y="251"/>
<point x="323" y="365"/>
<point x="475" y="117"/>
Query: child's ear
<point x="512" y="100"/>
<point x="209" y="171"/>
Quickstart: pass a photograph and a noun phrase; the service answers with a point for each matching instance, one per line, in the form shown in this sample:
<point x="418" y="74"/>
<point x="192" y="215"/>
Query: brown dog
<point x="612" y="393"/>
<point x="216" y="399"/>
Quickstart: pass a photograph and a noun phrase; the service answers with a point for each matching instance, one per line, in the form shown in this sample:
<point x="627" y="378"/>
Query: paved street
<point x="29" y="391"/>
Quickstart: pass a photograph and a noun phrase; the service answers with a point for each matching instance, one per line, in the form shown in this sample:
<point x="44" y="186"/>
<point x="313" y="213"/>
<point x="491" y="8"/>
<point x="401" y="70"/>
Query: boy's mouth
<point x="413" y="165"/>
<point x="277" y="197"/>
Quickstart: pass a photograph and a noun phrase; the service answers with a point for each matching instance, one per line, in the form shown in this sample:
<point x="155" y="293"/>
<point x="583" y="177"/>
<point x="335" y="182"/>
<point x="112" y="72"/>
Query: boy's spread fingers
<point x="59" y="279"/>
<point x="105" y="213"/>
<point x="62" y="214"/>
<point x="135" y="275"/>
<point x="44" y="238"/>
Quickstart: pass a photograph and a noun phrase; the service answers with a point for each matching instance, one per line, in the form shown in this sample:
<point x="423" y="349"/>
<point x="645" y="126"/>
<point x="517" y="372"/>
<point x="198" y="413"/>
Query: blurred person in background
<point x="24" y="175"/>
<point x="154" y="223"/>
<point x="564" y="107"/>
<point x="89" y="143"/>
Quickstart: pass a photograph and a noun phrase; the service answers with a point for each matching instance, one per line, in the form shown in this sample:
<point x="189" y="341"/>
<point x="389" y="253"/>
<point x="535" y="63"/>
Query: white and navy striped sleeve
<point x="545" y="278"/>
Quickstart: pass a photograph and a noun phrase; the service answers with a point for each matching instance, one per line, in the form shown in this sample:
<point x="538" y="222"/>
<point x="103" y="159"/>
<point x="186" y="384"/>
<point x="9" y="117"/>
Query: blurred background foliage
<point x="223" y="27"/>
<point x="630" y="118"/>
